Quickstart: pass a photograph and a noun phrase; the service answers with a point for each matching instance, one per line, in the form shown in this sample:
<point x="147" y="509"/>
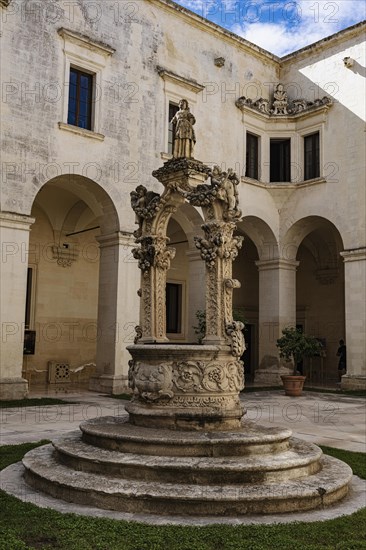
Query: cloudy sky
<point x="280" y="26"/>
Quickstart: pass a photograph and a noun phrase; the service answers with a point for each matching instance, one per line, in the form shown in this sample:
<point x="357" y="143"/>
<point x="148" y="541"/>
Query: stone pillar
<point x="355" y="308"/>
<point x="14" y="236"/>
<point x="277" y="309"/>
<point x="218" y="248"/>
<point x="118" y="312"/>
<point x="154" y="261"/>
<point x="196" y="290"/>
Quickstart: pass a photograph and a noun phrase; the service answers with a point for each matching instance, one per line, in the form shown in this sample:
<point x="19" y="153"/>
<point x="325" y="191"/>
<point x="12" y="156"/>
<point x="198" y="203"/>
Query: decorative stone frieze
<point x="281" y="105"/>
<point x="184" y="379"/>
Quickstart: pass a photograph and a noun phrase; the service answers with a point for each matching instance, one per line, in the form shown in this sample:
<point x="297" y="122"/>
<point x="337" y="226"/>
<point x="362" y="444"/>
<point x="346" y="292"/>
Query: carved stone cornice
<point x="119" y="238"/>
<point x="181" y="81"/>
<point x="86" y="42"/>
<point x="279" y="263"/>
<point x="294" y="108"/>
<point x="11" y="220"/>
<point x="181" y="165"/>
<point x="354" y="255"/>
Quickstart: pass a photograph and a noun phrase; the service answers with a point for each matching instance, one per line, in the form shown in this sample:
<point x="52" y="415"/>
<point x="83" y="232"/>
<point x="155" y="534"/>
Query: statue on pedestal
<point x="280" y="102"/>
<point x="184" y="136"/>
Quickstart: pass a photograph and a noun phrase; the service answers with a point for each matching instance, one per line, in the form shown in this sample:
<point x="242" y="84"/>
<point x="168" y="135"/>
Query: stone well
<point x="184" y="448"/>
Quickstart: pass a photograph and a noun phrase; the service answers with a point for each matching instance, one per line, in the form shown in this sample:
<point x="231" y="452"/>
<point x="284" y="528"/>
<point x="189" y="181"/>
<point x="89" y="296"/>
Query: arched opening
<point x="320" y="305"/>
<point x="63" y="285"/>
<point x="250" y="300"/>
<point x="246" y="302"/>
<point x="185" y="283"/>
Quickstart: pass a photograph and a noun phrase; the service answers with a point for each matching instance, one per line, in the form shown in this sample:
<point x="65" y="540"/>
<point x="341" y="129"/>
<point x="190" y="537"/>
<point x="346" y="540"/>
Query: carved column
<point x="355" y="300"/>
<point x="218" y="248"/>
<point x="277" y="309"/>
<point x="14" y="232"/>
<point x="154" y="261"/>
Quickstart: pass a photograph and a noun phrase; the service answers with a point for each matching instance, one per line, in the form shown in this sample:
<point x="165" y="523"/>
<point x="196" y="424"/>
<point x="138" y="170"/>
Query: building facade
<point x="88" y="90"/>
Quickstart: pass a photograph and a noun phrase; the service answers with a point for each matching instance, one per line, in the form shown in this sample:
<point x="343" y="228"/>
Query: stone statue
<point x="227" y="191"/>
<point x="184" y="136"/>
<point x="280" y="102"/>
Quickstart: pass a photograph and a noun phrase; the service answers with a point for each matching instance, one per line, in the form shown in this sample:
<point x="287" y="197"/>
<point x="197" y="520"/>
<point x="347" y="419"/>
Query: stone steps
<point x="302" y="459"/>
<point x="44" y="472"/>
<point x="117" y="434"/>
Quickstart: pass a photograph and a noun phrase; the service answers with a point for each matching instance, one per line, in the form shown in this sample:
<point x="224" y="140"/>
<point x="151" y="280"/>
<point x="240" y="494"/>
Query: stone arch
<point x="190" y="220"/>
<point x="316" y="243"/>
<point x="303" y="227"/>
<point x="92" y="194"/>
<point x="187" y="269"/>
<point x="80" y="301"/>
<point x="262" y="236"/>
<point x="260" y="245"/>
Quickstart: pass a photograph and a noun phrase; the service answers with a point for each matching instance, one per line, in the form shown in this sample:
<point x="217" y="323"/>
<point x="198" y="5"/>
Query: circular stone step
<point x="43" y="472"/>
<point x="117" y="434"/>
<point x="302" y="459"/>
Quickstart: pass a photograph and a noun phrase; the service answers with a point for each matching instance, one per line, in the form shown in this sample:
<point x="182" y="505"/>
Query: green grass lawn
<point x="23" y="526"/>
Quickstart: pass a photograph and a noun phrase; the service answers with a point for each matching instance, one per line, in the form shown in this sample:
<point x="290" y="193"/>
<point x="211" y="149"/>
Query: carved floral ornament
<point x="218" y="243"/>
<point x="160" y="383"/>
<point x="281" y="105"/>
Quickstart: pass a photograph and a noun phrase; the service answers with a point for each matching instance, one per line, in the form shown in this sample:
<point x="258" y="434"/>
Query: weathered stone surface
<point x="117" y="433"/>
<point x="322" y="488"/>
<point x="190" y="387"/>
<point x="300" y="460"/>
<point x="13" y="388"/>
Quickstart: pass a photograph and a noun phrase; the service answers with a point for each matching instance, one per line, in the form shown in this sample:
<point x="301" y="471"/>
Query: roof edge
<point x="344" y="33"/>
<point x="173" y="6"/>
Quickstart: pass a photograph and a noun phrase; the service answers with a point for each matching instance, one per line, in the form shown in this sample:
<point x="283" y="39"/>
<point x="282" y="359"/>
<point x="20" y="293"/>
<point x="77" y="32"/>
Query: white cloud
<point x="211" y="9"/>
<point x="191" y="4"/>
<point x="298" y="23"/>
<point x="315" y="21"/>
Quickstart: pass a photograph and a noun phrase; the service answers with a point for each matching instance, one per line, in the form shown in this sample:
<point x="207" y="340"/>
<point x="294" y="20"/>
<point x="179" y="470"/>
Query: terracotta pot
<point x="293" y="384"/>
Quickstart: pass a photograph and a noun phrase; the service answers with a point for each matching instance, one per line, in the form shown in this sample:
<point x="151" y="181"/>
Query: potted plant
<point x="294" y="345"/>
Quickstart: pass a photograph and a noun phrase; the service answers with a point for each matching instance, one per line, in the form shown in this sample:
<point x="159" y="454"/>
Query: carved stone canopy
<point x="281" y="105"/>
<point x="188" y="385"/>
<point x="215" y="191"/>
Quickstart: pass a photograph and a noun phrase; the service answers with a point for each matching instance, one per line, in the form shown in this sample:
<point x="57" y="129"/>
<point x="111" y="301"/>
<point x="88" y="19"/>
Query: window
<point x="28" y="299"/>
<point x="251" y="170"/>
<point x="311" y="156"/>
<point x="173" y="308"/>
<point x="29" y="335"/>
<point x="80" y="99"/>
<point x="173" y="108"/>
<point x="280" y="160"/>
<point x="85" y="61"/>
